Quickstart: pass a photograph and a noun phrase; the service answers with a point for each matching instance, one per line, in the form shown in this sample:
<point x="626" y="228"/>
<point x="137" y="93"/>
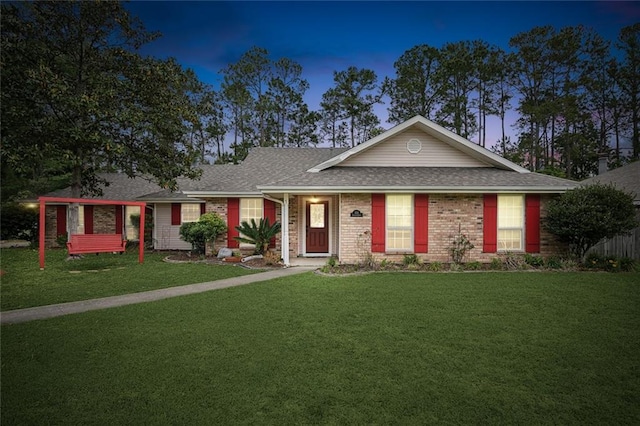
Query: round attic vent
<point x="414" y="146"/>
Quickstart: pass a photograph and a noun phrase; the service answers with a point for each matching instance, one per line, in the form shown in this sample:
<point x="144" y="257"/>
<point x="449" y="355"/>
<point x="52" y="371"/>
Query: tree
<point x="414" y="90"/>
<point x="583" y="216"/>
<point x="629" y="43"/>
<point x="205" y="231"/>
<point x="74" y="88"/>
<point x="456" y="78"/>
<point x="355" y="93"/>
<point x="259" y="234"/>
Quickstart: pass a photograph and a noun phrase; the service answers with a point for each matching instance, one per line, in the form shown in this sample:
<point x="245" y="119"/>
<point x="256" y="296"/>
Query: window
<point x="399" y="223"/>
<point x="510" y="222"/>
<point x="190" y="212"/>
<point x="250" y="208"/>
<point x="131" y="230"/>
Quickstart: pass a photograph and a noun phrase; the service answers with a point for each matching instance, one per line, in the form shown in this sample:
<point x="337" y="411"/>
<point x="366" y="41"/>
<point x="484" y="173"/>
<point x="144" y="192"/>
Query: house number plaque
<point x="356" y="213"/>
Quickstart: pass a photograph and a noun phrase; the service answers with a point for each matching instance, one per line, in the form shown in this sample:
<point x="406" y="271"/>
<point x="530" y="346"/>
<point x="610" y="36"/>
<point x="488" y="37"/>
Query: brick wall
<point x="448" y="215"/>
<point x="104" y="219"/>
<point x="355" y="232"/>
<point x="219" y="206"/>
<point x="104" y="222"/>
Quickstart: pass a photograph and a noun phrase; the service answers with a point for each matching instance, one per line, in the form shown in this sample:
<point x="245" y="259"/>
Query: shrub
<point x="532" y="260"/>
<point x="259" y="234"/>
<point x="435" y="266"/>
<point x="583" y="216"/>
<point x="61" y="240"/>
<point x="609" y="263"/>
<point x="459" y="247"/>
<point x="496" y="264"/>
<point x="332" y="262"/>
<point x="410" y="259"/>
<point x="553" y="263"/>
<point x="19" y="222"/>
<point x="202" y="232"/>
<point x="473" y="266"/>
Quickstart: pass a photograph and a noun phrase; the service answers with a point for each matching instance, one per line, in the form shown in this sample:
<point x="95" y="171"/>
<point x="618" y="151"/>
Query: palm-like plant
<point x="258" y="234"/>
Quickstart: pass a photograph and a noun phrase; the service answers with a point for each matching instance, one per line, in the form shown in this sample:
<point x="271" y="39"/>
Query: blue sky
<point x="330" y="36"/>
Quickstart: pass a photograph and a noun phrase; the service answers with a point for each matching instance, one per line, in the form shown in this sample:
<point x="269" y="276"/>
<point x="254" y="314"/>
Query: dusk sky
<point x="325" y="37"/>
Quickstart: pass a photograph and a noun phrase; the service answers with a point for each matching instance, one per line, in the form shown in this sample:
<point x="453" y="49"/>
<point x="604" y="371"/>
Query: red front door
<point x="318" y="227"/>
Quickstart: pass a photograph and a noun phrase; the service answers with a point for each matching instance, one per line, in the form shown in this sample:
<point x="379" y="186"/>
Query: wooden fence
<point x="620" y="246"/>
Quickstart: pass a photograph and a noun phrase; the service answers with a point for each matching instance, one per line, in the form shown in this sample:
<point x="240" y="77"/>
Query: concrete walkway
<point x="50" y="311"/>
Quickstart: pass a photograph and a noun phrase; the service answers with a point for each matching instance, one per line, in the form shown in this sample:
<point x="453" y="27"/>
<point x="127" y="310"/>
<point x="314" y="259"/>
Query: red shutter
<point x="270" y="213"/>
<point x="421" y="223"/>
<point x="490" y="221"/>
<point x="377" y="223"/>
<point x="118" y="219"/>
<point x="176" y="213"/>
<point x="88" y="219"/>
<point x="61" y="220"/>
<point x="532" y="223"/>
<point x="203" y="208"/>
<point x="233" y="220"/>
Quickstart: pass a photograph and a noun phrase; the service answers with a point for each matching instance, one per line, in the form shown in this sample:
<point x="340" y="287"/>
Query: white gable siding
<point x="167" y="236"/>
<point x="393" y="153"/>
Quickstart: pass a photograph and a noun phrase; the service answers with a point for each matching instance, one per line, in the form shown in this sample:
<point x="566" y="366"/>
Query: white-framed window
<point x="131" y="232"/>
<point x="190" y="212"/>
<point x="510" y="222"/>
<point x="399" y="214"/>
<point x="250" y="208"/>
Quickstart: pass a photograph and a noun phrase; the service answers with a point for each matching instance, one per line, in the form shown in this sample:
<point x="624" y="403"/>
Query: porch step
<point x="308" y="261"/>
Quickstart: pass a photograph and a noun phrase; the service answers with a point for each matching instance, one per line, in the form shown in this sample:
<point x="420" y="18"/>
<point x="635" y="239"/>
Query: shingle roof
<point x="262" y="165"/>
<point x="121" y="187"/>
<point x="626" y="178"/>
<point x="277" y="169"/>
<point x="432" y="178"/>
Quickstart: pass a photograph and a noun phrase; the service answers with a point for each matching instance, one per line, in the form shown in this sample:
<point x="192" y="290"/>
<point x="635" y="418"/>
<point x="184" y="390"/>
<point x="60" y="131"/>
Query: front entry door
<point x="318" y="227"/>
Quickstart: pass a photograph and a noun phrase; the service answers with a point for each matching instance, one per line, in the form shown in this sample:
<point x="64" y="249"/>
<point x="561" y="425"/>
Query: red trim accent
<point x="490" y="223"/>
<point x="233" y="220"/>
<point x="421" y="223"/>
<point x="532" y="223"/>
<point x="378" y="223"/>
<point x="119" y="220"/>
<point x="176" y="213"/>
<point x="269" y="208"/>
<point x="203" y="208"/>
<point x="88" y="219"/>
<point x="61" y="220"/>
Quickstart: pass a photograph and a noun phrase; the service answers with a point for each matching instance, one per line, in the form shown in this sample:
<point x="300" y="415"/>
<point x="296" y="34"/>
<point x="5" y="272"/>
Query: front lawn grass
<point x="489" y="348"/>
<point x="25" y="285"/>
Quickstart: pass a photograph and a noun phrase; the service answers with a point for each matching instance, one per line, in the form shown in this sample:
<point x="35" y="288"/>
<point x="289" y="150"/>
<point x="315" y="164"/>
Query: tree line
<point x="575" y="99"/>
<point x="78" y="98"/>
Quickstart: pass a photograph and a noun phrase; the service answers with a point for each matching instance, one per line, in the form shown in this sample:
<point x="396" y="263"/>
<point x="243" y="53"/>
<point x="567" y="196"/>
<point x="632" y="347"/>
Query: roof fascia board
<point x="414" y="189"/>
<point x="214" y="194"/>
<point x="435" y="130"/>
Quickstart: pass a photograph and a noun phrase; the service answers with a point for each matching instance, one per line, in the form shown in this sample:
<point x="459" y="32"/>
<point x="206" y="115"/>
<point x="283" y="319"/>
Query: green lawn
<point x="490" y="348"/>
<point x="24" y="284"/>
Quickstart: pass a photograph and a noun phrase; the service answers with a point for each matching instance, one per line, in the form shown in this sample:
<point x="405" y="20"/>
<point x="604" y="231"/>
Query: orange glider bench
<point x="96" y="243"/>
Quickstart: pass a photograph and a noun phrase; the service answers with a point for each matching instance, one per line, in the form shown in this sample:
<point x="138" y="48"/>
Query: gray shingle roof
<point x="277" y="169"/>
<point x="121" y="188"/>
<point x="432" y="178"/>
<point x="626" y="178"/>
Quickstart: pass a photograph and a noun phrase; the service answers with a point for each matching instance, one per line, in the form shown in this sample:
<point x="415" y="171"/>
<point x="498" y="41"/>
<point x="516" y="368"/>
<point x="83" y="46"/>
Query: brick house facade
<point x="409" y="190"/>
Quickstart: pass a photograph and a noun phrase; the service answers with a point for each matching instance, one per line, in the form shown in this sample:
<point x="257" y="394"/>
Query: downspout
<point x="284" y="212"/>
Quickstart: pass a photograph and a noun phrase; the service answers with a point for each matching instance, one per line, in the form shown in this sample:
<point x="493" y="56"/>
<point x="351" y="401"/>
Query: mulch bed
<point x="186" y="257"/>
